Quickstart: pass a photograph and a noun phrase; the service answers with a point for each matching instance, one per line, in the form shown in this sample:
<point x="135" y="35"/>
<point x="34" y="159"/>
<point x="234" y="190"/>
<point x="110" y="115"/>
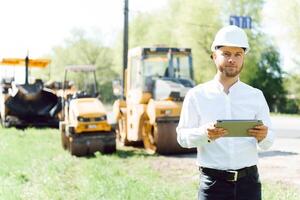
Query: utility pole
<point x="26" y="69"/>
<point x="125" y="45"/>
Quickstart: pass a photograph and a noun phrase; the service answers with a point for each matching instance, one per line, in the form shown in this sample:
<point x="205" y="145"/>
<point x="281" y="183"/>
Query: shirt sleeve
<point x="189" y="133"/>
<point x="264" y="115"/>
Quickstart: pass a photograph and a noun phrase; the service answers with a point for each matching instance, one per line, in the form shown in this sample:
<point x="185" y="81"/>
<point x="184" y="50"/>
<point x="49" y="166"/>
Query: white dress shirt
<point x="205" y="104"/>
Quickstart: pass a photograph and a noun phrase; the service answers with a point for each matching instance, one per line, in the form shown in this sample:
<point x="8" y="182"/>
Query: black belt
<point x="229" y="175"/>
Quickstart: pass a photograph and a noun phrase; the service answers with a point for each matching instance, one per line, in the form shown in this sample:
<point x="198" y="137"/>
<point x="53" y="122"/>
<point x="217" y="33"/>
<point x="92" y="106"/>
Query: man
<point x="227" y="165"/>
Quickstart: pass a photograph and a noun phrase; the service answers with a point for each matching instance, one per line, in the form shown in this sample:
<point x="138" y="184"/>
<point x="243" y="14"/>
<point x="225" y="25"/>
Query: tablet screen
<point x="238" y="128"/>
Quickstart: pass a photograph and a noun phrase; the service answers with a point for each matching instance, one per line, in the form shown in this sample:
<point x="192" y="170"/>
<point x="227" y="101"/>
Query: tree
<point x="79" y="49"/>
<point x="282" y="21"/>
<point x="196" y="24"/>
<point x="291" y="82"/>
<point x="180" y="24"/>
<point x="193" y="23"/>
<point x="269" y="79"/>
<point x="262" y="65"/>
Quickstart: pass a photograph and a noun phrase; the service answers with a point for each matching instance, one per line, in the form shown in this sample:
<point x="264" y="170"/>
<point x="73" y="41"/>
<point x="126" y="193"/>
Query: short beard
<point x="230" y="74"/>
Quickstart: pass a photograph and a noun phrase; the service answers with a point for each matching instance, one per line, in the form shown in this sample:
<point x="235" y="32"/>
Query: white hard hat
<point x="231" y="36"/>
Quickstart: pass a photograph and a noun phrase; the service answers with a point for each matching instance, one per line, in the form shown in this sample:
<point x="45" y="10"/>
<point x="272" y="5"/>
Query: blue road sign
<point x="241" y="21"/>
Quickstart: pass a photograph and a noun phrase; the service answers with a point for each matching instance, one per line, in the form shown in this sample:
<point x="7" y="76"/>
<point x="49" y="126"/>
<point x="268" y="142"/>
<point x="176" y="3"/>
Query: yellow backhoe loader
<point x="156" y="81"/>
<point x="27" y="104"/>
<point x="85" y="128"/>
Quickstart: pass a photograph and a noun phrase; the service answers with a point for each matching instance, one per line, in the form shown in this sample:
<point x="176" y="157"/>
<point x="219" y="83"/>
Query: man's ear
<point x="213" y="55"/>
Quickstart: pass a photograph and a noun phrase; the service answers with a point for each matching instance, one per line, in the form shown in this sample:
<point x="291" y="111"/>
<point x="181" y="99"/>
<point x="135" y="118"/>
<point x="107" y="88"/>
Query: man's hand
<point x="259" y="132"/>
<point x="214" y="133"/>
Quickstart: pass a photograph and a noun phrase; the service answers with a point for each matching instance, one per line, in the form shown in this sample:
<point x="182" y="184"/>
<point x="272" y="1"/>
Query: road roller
<point x="151" y="96"/>
<point x="85" y="128"/>
<point x="29" y="103"/>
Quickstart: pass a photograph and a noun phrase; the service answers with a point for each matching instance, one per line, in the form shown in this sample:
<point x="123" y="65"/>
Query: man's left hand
<point x="259" y="132"/>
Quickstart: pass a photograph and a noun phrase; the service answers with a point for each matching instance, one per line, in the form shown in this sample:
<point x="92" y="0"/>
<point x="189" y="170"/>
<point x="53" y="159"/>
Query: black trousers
<point x="245" y="188"/>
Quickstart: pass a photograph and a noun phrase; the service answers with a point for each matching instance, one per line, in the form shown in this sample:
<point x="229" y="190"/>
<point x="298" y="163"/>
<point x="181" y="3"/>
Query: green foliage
<point x="257" y="40"/>
<point x="181" y="24"/>
<point x="196" y="24"/>
<point x="250" y="8"/>
<point x="292" y="106"/>
<point x="262" y="67"/>
<point x="189" y="23"/>
<point x="193" y="24"/>
<point x="81" y="50"/>
<point x="106" y="92"/>
<point x="269" y="79"/>
<point x="291" y="83"/>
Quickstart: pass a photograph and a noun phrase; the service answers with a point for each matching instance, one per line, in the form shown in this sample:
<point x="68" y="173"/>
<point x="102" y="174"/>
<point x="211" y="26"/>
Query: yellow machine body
<point x="154" y="92"/>
<point x="39" y="63"/>
<point x="85" y="128"/>
<point x="88" y="115"/>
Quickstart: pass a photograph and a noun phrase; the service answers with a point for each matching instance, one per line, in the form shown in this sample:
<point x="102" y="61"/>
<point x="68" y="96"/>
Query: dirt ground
<point x="281" y="164"/>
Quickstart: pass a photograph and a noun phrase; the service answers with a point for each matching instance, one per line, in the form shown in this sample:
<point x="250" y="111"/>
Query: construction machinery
<point x="155" y="83"/>
<point x="30" y="103"/>
<point x="85" y="129"/>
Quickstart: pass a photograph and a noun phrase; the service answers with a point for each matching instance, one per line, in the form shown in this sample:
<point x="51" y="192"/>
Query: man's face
<point x="229" y="60"/>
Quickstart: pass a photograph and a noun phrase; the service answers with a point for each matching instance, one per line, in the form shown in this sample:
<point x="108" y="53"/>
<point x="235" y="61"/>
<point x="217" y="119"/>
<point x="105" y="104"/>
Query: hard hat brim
<point x="213" y="46"/>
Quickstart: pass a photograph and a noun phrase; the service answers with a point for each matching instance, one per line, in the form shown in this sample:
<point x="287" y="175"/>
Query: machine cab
<point x="158" y="73"/>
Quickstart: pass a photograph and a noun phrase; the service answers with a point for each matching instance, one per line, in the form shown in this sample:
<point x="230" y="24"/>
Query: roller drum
<point x="166" y="139"/>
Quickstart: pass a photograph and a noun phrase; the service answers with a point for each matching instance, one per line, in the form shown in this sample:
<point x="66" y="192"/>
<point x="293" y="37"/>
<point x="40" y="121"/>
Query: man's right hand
<point x="214" y="132"/>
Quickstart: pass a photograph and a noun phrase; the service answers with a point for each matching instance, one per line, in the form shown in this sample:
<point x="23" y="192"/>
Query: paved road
<point x="281" y="163"/>
<point x="286" y="127"/>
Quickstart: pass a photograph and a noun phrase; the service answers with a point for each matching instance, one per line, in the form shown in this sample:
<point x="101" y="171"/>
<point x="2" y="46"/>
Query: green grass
<point x="285" y="115"/>
<point x="279" y="191"/>
<point x="33" y="166"/>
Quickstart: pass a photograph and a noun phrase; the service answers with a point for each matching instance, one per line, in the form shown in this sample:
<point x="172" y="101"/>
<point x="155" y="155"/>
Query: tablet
<point x="238" y="128"/>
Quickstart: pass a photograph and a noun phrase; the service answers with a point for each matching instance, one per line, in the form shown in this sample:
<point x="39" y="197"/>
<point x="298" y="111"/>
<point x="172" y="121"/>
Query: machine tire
<point x="64" y="138"/>
<point x="77" y="149"/>
<point x="2" y="122"/>
<point x="6" y="124"/>
<point x="108" y="149"/>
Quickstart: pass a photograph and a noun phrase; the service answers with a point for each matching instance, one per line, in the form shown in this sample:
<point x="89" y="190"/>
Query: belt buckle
<point x="235" y="175"/>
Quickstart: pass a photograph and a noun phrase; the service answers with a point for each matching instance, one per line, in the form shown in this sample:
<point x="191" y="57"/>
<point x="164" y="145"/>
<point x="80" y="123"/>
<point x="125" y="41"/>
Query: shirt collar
<point x="220" y="87"/>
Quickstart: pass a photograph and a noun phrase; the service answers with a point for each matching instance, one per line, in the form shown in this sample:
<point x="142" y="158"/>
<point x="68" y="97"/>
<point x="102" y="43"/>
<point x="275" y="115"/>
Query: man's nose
<point x="231" y="60"/>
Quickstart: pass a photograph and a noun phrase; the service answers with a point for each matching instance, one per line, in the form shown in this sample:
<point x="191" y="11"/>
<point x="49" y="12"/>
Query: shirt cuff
<point x="267" y="142"/>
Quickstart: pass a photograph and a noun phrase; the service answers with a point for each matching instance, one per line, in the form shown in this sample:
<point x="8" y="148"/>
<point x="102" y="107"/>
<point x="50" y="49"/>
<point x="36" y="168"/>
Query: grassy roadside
<point x="33" y="166"/>
<point x="285" y="115"/>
